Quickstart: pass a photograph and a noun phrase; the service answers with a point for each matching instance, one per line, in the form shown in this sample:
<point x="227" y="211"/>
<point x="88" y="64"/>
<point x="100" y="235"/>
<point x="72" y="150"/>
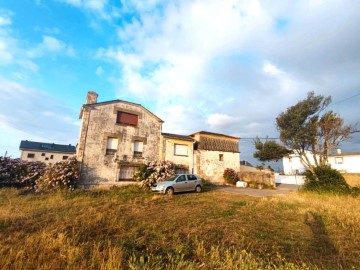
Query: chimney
<point x="338" y="151"/>
<point x="91" y="97"/>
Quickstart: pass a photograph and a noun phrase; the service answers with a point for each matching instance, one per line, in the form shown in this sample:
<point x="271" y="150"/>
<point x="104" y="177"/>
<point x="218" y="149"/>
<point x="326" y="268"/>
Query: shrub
<point x="153" y="172"/>
<point x="61" y="175"/>
<point x="326" y="179"/>
<point x="18" y="173"/>
<point x="230" y="176"/>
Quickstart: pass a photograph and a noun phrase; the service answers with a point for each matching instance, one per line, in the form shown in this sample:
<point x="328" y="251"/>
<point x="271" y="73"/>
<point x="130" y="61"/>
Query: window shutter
<point x="112" y="143"/>
<point x="138" y="147"/>
<point x="127" y="118"/>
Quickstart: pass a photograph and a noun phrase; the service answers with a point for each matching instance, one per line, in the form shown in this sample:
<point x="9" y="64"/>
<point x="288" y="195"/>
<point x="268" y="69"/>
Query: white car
<point x="179" y="183"/>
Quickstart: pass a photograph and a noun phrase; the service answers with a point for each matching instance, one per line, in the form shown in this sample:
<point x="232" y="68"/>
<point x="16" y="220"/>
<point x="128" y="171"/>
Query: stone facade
<point x="214" y="153"/>
<point x="116" y="137"/>
<point x="101" y="129"/>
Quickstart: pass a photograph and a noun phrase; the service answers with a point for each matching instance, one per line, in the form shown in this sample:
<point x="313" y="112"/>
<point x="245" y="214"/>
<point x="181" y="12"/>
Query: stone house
<point x="117" y="136"/>
<point x="45" y="152"/>
<point x="214" y="153"/>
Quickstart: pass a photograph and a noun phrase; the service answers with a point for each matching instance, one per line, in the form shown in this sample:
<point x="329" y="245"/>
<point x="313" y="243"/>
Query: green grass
<point x="130" y="228"/>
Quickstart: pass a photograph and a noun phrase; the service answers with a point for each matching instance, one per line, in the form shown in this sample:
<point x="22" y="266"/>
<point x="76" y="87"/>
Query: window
<point x="112" y="145"/>
<point x="46" y="158"/>
<point x="138" y="148"/>
<point x="181" y="178"/>
<point x="221" y="157"/>
<point x="339" y="160"/>
<point x="127" y="118"/>
<point x="52" y="157"/>
<point x="65" y="157"/>
<point x="30" y="155"/>
<point x="43" y="154"/>
<point x="180" y="150"/>
<point x="191" y="177"/>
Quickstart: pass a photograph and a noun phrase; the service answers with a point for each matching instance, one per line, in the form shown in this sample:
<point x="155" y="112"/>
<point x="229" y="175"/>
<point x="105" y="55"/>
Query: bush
<point x="326" y="179"/>
<point x="18" y="173"/>
<point x="61" y="175"/>
<point x="153" y="172"/>
<point x="230" y="176"/>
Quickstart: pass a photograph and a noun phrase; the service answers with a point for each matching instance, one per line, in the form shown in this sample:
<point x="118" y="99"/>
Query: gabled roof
<point x="118" y="101"/>
<point x="47" y="147"/>
<point x="215" y="134"/>
<point x="176" y="136"/>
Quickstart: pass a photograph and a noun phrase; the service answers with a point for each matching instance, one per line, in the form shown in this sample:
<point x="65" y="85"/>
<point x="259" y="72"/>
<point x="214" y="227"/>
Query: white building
<point x="45" y="152"/>
<point x="343" y="162"/>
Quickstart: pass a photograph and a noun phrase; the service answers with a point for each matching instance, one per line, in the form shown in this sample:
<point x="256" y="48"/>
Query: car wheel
<point x="169" y="191"/>
<point x="198" y="189"/>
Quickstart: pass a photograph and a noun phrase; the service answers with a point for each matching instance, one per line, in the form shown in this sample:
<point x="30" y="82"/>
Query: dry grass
<point x="131" y="229"/>
<point x="353" y="179"/>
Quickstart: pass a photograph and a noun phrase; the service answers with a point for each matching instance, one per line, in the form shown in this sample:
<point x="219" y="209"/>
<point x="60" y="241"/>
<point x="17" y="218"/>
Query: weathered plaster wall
<point x="57" y="156"/>
<point x="209" y="167"/>
<point x="99" y="123"/>
<point x="169" y="152"/>
<point x="348" y="164"/>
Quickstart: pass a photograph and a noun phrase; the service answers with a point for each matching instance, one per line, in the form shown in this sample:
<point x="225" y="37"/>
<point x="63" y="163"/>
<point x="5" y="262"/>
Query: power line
<point x="345" y="99"/>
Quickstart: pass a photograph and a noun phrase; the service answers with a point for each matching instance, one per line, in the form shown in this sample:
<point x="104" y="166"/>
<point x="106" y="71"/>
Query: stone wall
<point x="210" y="167"/>
<point x="98" y="124"/>
<point x="260" y="177"/>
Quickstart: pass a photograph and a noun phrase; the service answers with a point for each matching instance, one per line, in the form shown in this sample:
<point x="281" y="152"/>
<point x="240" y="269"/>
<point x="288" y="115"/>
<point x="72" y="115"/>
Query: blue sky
<point x="218" y="65"/>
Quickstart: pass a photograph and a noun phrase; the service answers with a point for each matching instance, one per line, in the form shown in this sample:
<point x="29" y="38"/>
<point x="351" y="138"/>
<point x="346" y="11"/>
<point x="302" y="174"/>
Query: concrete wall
<point x="289" y="179"/>
<point x="98" y="124"/>
<point x="43" y="155"/>
<point x="209" y="167"/>
<point x="169" y="153"/>
<point x="350" y="164"/>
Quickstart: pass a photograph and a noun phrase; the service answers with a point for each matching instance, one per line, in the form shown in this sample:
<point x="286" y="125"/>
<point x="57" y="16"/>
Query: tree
<point x="307" y="130"/>
<point x="269" y="150"/>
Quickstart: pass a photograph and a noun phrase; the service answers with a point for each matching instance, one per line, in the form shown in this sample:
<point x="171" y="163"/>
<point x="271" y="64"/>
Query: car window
<point x="172" y="178"/>
<point x="191" y="177"/>
<point x="181" y="178"/>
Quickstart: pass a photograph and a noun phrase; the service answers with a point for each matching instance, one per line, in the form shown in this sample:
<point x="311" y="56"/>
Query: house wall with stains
<point x="183" y="160"/>
<point x="210" y="165"/>
<point x="99" y="123"/>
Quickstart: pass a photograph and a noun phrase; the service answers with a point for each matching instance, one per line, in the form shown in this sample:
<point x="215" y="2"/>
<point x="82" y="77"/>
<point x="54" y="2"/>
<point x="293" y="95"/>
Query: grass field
<point x="130" y="228"/>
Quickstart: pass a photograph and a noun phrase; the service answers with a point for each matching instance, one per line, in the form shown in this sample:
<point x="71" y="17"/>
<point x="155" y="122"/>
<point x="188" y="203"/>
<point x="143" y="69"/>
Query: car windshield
<point x="171" y="178"/>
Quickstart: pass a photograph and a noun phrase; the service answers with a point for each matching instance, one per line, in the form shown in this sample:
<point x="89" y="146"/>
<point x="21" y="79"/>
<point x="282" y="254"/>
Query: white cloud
<point x="97" y="7"/>
<point x="5" y="20"/>
<point x="53" y="46"/>
<point x="29" y="114"/>
<point x="99" y="71"/>
<point x="271" y="69"/>
<point x="218" y="120"/>
<point x="225" y="59"/>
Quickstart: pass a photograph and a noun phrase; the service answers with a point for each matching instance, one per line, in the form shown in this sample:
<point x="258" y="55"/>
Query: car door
<point x="191" y="182"/>
<point x="180" y="183"/>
